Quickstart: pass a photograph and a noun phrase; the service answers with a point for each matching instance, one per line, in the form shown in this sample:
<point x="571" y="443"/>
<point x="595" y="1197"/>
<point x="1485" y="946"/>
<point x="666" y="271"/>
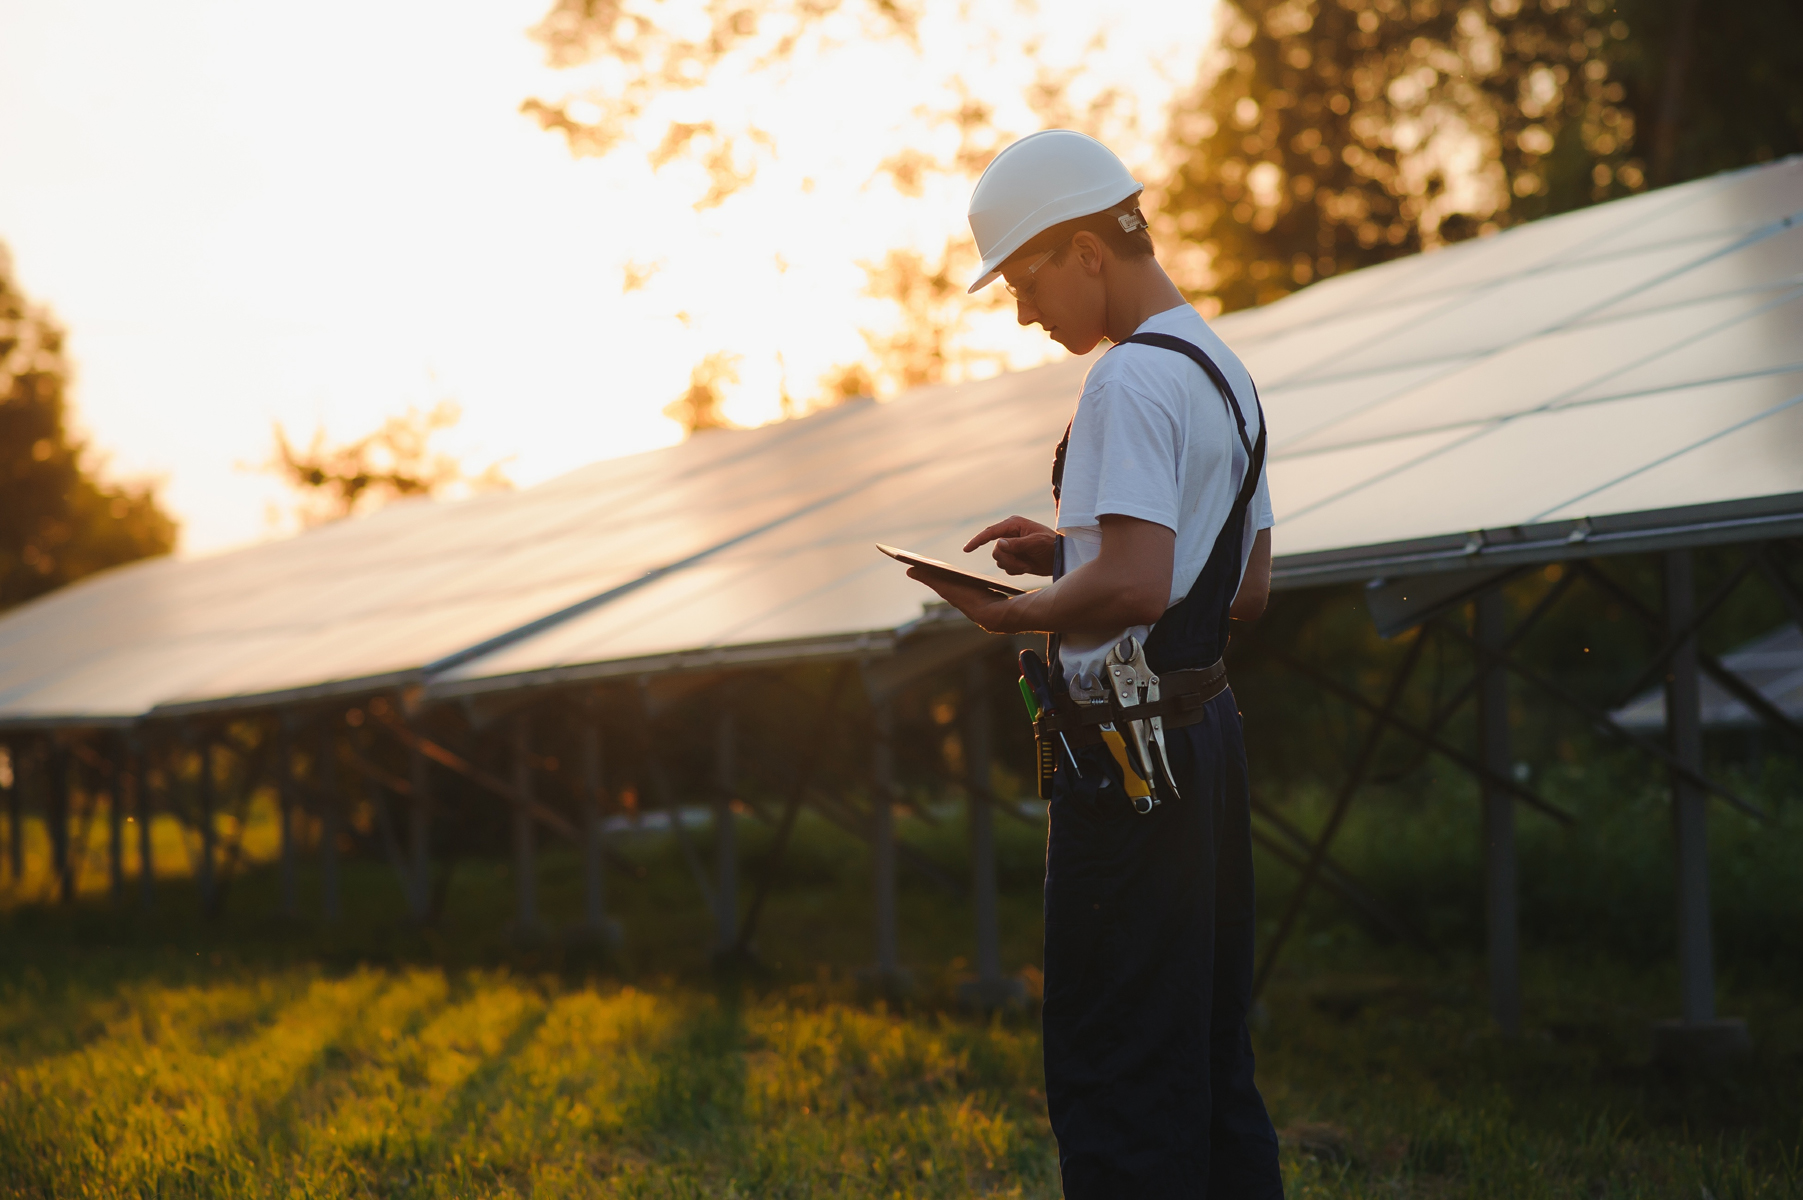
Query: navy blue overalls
<point x="1149" y="931"/>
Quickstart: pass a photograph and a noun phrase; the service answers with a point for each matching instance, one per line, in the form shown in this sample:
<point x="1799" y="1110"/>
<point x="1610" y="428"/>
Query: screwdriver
<point x="1036" y="690"/>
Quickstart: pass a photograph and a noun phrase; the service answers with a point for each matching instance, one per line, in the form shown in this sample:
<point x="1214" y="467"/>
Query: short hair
<point x="1122" y="228"/>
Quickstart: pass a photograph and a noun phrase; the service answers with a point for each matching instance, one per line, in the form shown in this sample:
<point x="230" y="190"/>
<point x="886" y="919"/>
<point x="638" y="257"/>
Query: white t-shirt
<point x="1154" y="439"/>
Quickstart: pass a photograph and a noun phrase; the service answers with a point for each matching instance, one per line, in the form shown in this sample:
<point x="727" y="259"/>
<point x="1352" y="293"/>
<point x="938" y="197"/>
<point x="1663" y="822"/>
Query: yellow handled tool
<point x="1137" y="787"/>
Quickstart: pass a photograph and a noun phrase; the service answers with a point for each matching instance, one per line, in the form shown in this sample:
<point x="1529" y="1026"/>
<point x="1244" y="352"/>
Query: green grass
<point x="153" y="1054"/>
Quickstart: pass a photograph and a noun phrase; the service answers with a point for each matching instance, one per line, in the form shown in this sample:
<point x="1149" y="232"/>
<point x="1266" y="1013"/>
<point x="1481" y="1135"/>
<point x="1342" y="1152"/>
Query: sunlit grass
<point x="410" y="1082"/>
<point x="150" y="1053"/>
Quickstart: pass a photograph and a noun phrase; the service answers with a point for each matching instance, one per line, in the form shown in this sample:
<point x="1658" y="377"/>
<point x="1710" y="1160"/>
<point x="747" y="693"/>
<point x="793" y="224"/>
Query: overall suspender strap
<point x="1195" y="353"/>
<point x="1254" y="453"/>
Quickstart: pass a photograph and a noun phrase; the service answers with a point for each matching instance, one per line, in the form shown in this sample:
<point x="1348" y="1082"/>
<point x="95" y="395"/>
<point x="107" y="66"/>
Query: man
<point x="1163" y="532"/>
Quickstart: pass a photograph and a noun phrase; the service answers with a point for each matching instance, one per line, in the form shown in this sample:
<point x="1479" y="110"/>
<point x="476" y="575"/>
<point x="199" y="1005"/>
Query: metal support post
<point x="1502" y="899"/>
<point x="594" y="844"/>
<point x="115" y="829"/>
<point x="138" y="771"/>
<point x="285" y="812"/>
<point x="209" y="833"/>
<point x="15" y="822"/>
<point x="990" y="989"/>
<point x="419" y="867"/>
<point x="887" y="976"/>
<point x="325" y="784"/>
<point x="56" y="813"/>
<point x="726" y="841"/>
<point x="1383" y="718"/>
<point x="1683" y="701"/>
<point x="825" y="728"/>
<point x="525" y="857"/>
<point x="1697" y="1039"/>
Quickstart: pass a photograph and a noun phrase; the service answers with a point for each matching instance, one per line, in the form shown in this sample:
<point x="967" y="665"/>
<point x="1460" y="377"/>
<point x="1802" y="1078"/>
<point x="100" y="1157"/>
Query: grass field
<point x="152" y="1054"/>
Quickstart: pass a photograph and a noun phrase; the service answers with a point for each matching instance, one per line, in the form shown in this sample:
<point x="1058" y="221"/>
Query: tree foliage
<point x="713" y="94"/>
<point x="1327" y="135"/>
<point x="1711" y="87"/>
<point x="58" y="520"/>
<point x="1331" y="135"/>
<point x="928" y="344"/>
<point x="701" y="406"/>
<point x="653" y="53"/>
<point x="394" y="462"/>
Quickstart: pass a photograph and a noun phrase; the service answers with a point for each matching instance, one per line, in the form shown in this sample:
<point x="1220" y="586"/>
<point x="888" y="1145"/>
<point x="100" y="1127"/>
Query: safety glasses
<point x="1025" y="291"/>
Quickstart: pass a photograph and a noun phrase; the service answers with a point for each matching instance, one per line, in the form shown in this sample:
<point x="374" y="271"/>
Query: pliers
<point x="1132" y="683"/>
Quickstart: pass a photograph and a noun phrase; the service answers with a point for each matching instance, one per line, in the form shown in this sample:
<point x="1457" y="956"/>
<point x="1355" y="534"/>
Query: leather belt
<point x="1182" y="697"/>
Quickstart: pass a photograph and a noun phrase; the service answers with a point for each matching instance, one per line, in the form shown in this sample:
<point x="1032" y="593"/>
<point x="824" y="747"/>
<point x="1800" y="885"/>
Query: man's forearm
<point x="1128" y="583"/>
<point x="1085" y="599"/>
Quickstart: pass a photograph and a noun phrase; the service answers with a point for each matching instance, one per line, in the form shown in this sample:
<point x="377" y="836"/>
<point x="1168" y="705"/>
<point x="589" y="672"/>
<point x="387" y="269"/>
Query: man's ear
<point x="1089" y="250"/>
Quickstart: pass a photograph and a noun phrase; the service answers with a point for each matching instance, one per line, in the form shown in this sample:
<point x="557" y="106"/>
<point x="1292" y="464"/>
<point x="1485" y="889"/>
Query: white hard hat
<point x="1047" y="177"/>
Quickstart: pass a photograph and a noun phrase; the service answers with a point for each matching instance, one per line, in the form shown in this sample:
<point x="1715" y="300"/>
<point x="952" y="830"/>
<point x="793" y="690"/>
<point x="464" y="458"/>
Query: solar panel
<point x="1629" y="376"/>
<point x="1773" y="664"/>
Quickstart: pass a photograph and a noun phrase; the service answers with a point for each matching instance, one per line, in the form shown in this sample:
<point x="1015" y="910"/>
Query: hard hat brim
<point x="1054" y="213"/>
<point x="988" y="278"/>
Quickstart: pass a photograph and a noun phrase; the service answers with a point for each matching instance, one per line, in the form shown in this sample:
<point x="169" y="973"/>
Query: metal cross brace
<point x="660" y="783"/>
<point x="452" y="761"/>
<point x="1356" y="776"/>
<point x="1450" y="707"/>
<point x="804" y="778"/>
<point x="1717" y="670"/>
<point x="1606" y="724"/>
<point x="1674" y="642"/>
<point x="1334" y="877"/>
<point x="1437" y="744"/>
<point x="385" y="781"/>
<point x="1787" y="591"/>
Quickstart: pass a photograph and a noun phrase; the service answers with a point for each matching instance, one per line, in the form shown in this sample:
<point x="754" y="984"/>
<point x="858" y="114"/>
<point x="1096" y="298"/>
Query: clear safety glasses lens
<point x="1025" y="290"/>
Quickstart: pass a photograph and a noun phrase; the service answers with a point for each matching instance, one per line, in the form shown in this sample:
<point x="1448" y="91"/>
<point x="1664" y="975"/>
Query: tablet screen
<point x="947" y="570"/>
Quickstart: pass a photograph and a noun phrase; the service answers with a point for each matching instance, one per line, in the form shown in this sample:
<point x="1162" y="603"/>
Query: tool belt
<point x="1182" y="697"/>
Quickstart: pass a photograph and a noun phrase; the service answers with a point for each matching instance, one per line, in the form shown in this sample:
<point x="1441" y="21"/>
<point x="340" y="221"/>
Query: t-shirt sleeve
<point x="1261" y="500"/>
<point x="1130" y="443"/>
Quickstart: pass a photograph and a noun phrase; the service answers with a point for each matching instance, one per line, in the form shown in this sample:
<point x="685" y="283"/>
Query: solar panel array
<point x="1643" y="356"/>
<point x="1771" y="664"/>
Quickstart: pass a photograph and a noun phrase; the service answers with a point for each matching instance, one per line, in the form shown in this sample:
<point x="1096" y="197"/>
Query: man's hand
<point x="1128" y="583"/>
<point x="985" y="608"/>
<point x="1022" y="547"/>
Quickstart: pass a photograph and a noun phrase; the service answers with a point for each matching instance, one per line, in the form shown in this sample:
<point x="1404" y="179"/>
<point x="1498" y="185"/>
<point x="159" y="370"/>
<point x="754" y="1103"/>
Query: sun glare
<point x="246" y="216"/>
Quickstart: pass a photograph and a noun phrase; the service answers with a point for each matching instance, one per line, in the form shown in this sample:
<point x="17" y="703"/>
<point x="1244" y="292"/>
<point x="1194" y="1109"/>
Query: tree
<point x="1709" y="97"/>
<point x="1328" y="135"/>
<point x="395" y="462"/>
<point x="58" y="520"/>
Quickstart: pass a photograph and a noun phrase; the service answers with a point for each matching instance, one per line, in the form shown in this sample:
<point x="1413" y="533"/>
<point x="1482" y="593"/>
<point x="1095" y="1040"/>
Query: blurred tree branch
<point x="928" y="345"/>
<point x="394" y="462"/>
<point x="647" y="50"/>
<point x="700" y="407"/>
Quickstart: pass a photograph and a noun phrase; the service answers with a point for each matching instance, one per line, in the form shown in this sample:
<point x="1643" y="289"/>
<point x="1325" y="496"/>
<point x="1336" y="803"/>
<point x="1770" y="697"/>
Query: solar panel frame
<point x="1622" y="378"/>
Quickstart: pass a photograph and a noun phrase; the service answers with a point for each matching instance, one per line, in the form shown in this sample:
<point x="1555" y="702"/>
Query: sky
<point x="248" y="213"/>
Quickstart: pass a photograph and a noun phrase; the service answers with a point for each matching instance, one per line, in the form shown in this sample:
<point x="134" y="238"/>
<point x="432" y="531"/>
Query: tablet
<point x="947" y="571"/>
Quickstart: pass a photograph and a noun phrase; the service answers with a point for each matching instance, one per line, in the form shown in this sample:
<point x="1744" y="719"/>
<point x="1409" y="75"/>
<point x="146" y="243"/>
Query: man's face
<point x="1065" y="296"/>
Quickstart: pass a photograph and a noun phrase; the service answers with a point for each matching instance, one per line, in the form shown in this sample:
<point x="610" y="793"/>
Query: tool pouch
<point x="1035" y="692"/>
<point x="1045" y="753"/>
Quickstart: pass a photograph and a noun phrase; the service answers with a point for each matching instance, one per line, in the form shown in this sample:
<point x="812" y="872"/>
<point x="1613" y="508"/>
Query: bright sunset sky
<point x="248" y="212"/>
